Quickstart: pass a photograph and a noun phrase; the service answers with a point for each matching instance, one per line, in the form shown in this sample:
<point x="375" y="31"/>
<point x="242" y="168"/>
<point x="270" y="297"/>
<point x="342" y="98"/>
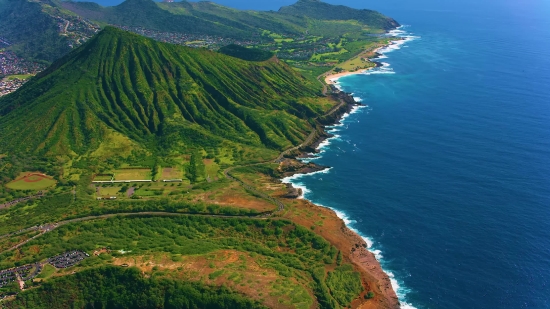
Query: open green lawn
<point x="109" y="191"/>
<point x="21" y="76"/>
<point x="103" y="177"/>
<point x="211" y="168"/>
<point x="47" y="272"/>
<point x="133" y="174"/>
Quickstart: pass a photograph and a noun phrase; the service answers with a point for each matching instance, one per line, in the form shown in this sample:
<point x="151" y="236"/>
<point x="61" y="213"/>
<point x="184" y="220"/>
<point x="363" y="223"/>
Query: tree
<point x="196" y="168"/>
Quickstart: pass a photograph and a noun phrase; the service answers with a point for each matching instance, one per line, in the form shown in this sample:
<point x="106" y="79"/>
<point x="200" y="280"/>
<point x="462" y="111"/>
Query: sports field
<point x="133" y="174"/>
<point x="31" y="181"/>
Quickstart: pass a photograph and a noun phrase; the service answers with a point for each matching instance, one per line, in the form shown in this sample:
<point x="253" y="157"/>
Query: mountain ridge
<point x="147" y="90"/>
<point x="19" y="20"/>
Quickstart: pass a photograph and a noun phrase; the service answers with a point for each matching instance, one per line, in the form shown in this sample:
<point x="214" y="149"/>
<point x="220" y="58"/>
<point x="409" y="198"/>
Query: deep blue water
<point x="448" y="170"/>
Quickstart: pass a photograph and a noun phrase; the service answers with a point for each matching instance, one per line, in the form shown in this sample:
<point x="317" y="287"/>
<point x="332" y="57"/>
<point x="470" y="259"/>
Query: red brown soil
<point x="32" y="177"/>
<point x="242" y="202"/>
<point x="353" y="249"/>
<point x="198" y="268"/>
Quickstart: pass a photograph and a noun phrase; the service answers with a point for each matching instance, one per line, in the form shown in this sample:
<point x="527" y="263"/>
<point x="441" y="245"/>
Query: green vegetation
<point x="67" y="24"/>
<point x="19" y="23"/>
<point x="31" y="181"/>
<point x="344" y="284"/>
<point x="323" y="11"/>
<point x="151" y="94"/>
<point x="46" y="272"/>
<point x="289" y="250"/>
<point x="24" y="76"/>
<point x="124" y="107"/>
<point x="110" y="287"/>
<point x="196" y="169"/>
<point x="249" y="54"/>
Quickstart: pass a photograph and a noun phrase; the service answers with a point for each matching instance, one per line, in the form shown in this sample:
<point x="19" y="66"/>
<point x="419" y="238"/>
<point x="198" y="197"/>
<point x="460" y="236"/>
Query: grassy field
<point x="270" y="261"/>
<point x="103" y="177"/>
<point x="21" y="76"/>
<point x="47" y="272"/>
<point x="109" y="191"/>
<point x="172" y="173"/>
<point x="31" y="181"/>
<point x="133" y="174"/>
<point x="212" y="169"/>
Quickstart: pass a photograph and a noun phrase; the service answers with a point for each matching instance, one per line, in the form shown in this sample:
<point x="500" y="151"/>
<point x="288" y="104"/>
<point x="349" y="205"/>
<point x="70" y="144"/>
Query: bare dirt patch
<point x="234" y="269"/>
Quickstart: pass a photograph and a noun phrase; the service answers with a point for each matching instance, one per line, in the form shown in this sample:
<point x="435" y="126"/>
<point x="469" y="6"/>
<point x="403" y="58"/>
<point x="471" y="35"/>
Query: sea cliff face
<point x="353" y="246"/>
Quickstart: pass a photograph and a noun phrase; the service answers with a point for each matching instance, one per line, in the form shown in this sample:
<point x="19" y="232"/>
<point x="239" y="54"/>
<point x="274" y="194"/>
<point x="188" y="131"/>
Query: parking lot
<point x="67" y="259"/>
<point x="28" y="272"/>
<point x="25" y="272"/>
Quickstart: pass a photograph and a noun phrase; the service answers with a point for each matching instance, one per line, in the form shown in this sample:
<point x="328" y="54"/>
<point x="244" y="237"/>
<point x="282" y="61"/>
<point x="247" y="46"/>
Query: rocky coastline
<point x="359" y="254"/>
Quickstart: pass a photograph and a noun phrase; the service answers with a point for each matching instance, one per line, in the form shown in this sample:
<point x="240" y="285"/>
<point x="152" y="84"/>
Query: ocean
<point x="446" y="173"/>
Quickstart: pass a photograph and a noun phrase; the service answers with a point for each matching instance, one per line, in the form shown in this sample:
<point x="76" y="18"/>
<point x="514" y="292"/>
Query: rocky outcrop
<point x="293" y="193"/>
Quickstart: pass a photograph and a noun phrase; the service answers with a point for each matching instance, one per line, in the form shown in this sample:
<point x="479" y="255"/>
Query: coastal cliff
<point x="353" y="247"/>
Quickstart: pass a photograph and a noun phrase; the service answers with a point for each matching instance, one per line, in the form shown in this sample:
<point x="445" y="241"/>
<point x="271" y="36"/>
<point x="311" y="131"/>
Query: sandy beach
<point x="332" y="78"/>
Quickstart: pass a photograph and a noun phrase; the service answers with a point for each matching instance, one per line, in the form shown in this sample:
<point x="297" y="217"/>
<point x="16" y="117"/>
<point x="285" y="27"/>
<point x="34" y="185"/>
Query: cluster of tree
<point x="196" y="169"/>
<point x="288" y="248"/>
<point x="249" y="54"/>
<point x="118" y="288"/>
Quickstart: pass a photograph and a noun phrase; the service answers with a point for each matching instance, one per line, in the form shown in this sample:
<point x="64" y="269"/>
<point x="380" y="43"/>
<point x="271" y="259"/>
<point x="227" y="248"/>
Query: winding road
<point x="227" y="172"/>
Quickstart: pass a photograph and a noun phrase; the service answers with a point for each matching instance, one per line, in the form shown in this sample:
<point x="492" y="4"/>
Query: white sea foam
<point x="385" y="68"/>
<point x="295" y="180"/>
<point x="400" y="290"/>
<point x="378" y="254"/>
<point x="358" y="99"/>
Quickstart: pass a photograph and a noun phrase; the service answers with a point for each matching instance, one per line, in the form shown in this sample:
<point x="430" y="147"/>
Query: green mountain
<point x="317" y="9"/>
<point x="64" y="25"/>
<point x="147" y="14"/>
<point x="19" y="24"/>
<point x="205" y="17"/>
<point x="156" y="96"/>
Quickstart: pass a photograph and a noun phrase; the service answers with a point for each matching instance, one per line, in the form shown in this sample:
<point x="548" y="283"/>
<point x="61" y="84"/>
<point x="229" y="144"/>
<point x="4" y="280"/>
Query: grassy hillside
<point x="67" y="24"/>
<point x="111" y="287"/>
<point x="19" y="23"/>
<point x="319" y="10"/>
<point x="273" y="260"/>
<point x="163" y="97"/>
<point x="209" y="18"/>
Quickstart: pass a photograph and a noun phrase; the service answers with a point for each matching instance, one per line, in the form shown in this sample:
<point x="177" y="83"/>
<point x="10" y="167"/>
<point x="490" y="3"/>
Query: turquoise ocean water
<point x="446" y="173"/>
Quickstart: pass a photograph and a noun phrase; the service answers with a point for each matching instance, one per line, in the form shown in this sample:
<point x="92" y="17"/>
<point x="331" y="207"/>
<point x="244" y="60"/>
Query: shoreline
<point x="332" y="79"/>
<point x="359" y="253"/>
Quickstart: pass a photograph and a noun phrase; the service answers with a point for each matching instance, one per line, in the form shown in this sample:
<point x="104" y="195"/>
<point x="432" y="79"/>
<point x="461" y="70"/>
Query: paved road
<point x="280" y="206"/>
